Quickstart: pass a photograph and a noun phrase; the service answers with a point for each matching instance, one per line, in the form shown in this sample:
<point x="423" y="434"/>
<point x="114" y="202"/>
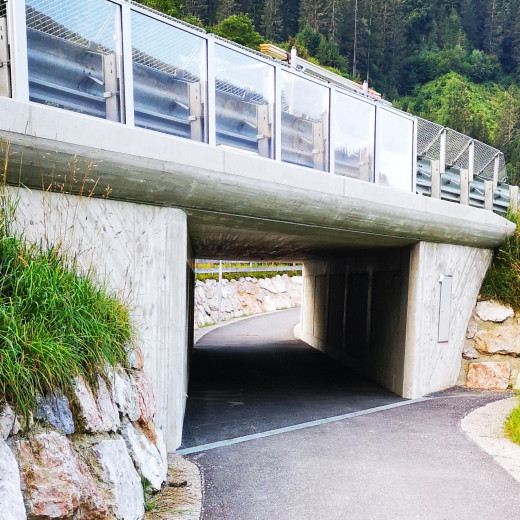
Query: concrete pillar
<point x="142" y="252"/>
<point x="432" y="364"/>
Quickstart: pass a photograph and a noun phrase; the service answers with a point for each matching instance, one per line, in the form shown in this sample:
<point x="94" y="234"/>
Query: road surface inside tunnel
<point x="254" y="376"/>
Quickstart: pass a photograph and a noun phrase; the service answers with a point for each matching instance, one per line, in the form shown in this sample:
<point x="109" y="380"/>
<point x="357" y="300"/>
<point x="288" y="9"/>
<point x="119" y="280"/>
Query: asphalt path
<point x="412" y="461"/>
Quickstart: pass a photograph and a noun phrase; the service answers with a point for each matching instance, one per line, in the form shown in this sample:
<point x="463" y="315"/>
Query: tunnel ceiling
<point x="225" y="236"/>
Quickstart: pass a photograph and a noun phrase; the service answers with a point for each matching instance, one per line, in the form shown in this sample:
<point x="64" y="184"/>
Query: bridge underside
<point x="390" y="276"/>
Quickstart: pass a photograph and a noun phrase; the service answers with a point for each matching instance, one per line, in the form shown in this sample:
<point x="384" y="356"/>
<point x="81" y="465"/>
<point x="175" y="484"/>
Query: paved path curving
<point x="405" y="461"/>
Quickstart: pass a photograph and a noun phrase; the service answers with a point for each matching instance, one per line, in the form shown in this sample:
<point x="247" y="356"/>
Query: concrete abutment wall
<point x="143" y="253"/>
<point x="380" y="312"/>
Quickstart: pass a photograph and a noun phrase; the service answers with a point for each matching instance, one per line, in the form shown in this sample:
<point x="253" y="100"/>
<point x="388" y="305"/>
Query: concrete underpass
<point x="254" y="376"/>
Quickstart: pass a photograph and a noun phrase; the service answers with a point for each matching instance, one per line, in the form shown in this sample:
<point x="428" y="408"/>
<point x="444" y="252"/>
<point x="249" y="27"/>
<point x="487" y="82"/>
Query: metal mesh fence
<point x="82" y="22"/>
<point x="457" y="150"/>
<point x="3" y="8"/>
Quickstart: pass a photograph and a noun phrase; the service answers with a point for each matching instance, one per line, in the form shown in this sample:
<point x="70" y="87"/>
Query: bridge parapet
<point x="120" y="61"/>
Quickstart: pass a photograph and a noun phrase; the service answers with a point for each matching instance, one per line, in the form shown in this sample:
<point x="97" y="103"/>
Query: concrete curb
<point x="485" y="427"/>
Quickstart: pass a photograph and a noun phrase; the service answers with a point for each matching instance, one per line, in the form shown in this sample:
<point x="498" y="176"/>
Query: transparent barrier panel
<point x="73" y="53"/>
<point x="5" y="79"/>
<point x="244" y="100"/>
<point x="168" y="70"/>
<point x="305" y="120"/>
<point x="353" y="127"/>
<point x="394" y="150"/>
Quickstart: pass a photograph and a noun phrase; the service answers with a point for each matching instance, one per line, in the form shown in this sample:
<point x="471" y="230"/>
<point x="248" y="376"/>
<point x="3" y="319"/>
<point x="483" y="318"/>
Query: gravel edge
<point x="485" y="426"/>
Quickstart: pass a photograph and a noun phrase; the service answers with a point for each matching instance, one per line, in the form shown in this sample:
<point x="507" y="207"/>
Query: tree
<point x="272" y="20"/>
<point x="239" y="28"/>
<point x="169" y="7"/>
<point x="225" y="9"/>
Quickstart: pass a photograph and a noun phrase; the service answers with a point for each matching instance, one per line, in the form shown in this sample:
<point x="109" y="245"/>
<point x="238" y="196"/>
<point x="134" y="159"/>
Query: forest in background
<point x="455" y="62"/>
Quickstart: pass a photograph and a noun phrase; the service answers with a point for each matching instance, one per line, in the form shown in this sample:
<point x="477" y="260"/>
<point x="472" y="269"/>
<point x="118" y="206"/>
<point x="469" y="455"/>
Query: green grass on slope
<point x="55" y="323"/>
<point x="512" y="426"/>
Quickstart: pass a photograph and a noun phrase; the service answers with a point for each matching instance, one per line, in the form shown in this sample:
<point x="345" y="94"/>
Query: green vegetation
<point x="512" y="425"/>
<point x="237" y="276"/>
<point x="55" y="322"/>
<point x="502" y="281"/>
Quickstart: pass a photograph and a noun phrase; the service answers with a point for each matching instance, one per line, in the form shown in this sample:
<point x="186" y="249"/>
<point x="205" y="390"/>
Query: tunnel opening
<point x="256" y="375"/>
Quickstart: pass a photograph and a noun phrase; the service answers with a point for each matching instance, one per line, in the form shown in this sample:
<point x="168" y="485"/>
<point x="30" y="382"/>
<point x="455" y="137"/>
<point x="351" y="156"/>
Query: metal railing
<point x="120" y="61"/>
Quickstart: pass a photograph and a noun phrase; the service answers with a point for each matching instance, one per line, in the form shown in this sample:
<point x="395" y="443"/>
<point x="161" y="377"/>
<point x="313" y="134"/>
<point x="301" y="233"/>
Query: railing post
<point x="435" y="180"/>
<point x="442" y="152"/>
<point x="513" y="198"/>
<point x="496" y="167"/>
<point x="464" y="187"/>
<point x="5" y="80"/>
<point x="196" y="111"/>
<point x="220" y="291"/>
<point x="471" y="160"/>
<point x="488" y="195"/>
<point x="127" y="80"/>
<point x="277" y="130"/>
<point x="18" y="42"/>
<point x="211" y="83"/>
<point x="112" y="100"/>
<point x="263" y="129"/>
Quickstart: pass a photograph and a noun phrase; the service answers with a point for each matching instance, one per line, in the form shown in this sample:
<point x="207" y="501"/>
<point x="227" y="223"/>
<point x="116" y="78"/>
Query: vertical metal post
<point x="17" y="34"/>
<point x="211" y="83"/>
<point x="263" y="129"/>
<point x="488" y="195"/>
<point x="496" y="167"/>
<point x="220" y="291"/>
<point x="5" y="80"/>
<point x="513" y="198"/>
<point x="471" y="161"/>
<point x="435" y="180"/>
<point x="277" y="131"/>
<point x="127" y="82"/>
<point x="196" y="111"/>
<point x="330" y="134"/>
<point x="318" y="143"/>
<point x="442" y="152"/>
<point x="464" y="187"/>
<point x="111" y="90"/>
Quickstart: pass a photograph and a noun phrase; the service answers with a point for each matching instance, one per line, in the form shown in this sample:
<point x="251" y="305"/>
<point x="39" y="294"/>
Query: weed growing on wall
<point x="502" y="281"/>
<point x="55" y="322"/>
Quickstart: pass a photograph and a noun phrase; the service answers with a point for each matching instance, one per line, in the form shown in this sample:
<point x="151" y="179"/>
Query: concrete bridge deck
<point x="208" y="149"/>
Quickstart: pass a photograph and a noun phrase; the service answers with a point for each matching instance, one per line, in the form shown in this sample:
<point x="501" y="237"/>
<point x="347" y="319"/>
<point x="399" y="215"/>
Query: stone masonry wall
<point x="491" y="355"/>
<point x="245" y="297"/>
<point x="83" y="458"/>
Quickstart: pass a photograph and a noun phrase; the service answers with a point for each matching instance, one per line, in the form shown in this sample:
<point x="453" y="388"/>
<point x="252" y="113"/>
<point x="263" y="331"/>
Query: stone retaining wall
<point x="245" y="297"/>
<point x="83" y="458"/>
<point x="491" y="355"/>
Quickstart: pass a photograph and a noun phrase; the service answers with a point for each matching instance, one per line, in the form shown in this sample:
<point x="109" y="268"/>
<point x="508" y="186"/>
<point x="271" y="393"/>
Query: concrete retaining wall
<point x="143" y="253"/>
<point x="380" y="312"/>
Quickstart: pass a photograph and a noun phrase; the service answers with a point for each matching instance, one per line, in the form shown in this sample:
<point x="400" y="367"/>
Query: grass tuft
<point x="512" y="425"/>
<point x="55" y="323"/>
<point x="502" y="281"/>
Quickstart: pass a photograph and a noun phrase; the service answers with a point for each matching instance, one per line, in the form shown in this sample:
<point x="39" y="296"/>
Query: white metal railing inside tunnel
<point x="120" y="61"/>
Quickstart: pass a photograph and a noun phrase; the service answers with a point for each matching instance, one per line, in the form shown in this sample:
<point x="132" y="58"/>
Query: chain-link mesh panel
<point x="3" y="8"/>
<point x="165" y="48"/>
<point x="428" y="139"/>
<point x="456" y="143"/>
<point x="82" y="22"/>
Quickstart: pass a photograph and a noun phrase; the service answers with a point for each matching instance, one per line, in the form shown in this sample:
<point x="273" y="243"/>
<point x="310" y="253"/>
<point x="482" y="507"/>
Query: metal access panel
<point x="445" y="309"/>
<point x="5" y="80"/>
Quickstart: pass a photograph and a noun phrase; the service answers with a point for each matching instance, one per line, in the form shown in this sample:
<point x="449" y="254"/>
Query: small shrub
<point x="502" y="281"/>
<point x="512" y="425"/>
<point x="55" y="322"/>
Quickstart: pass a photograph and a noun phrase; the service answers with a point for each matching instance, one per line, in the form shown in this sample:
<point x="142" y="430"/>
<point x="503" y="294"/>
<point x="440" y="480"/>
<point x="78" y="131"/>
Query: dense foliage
<point x="55" y="322"/>
<point x="455" y="62"/>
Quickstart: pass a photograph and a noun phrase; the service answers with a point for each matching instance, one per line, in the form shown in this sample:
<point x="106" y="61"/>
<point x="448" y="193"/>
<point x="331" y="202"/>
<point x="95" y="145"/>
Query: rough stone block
<point x="55" y="409"/>
<point x="146" y="396"/>
<point x="57" y="484"/>
<point x="107" y="407"/>
<point x="146" y="456"/>
<point x="469" y="351"/>
<point x="488" y="375"/>
<point x="124" y="390"/>
<point x="7" y="418"/>
<point x="120" y="479"/>
<point x="503" y="339"/>
<point x="493" y="311"/>
<point x="11" y="500"/>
